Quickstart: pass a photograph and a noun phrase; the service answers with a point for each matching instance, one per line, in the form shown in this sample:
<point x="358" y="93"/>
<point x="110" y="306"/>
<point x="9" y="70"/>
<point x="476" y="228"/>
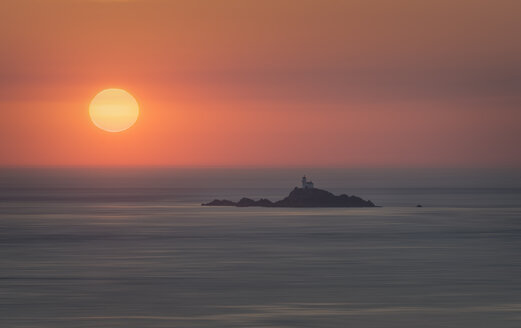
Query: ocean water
<point x="134" y="248"/>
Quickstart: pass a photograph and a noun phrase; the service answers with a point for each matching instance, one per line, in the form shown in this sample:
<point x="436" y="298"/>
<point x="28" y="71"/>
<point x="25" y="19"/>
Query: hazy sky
<point x="424" y="83"/>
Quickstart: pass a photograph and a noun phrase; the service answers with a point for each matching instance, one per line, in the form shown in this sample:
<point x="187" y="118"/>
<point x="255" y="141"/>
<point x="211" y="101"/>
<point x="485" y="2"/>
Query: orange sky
<point x="264" y="83"/>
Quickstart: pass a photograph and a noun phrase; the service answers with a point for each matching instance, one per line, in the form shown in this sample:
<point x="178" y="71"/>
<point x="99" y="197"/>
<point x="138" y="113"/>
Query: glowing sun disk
<point x="114" y="110"/>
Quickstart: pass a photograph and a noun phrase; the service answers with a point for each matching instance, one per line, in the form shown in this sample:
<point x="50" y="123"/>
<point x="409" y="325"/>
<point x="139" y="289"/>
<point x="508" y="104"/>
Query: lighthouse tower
<point x="306" y="184"/>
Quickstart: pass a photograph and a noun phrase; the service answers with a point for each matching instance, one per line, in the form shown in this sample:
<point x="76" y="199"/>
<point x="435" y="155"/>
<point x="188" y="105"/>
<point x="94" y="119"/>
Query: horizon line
<point x="266" y="167"/>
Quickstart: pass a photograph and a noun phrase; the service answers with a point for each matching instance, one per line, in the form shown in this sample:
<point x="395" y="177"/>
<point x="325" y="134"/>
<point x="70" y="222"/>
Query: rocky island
<point x="306" y="196"/>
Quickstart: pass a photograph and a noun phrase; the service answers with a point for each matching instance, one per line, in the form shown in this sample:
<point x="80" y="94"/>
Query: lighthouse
<point x="306" y="184"/>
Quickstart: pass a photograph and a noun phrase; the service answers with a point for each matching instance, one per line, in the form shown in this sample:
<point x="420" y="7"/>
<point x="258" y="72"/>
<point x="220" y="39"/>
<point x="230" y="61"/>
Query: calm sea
<point x="134" y="248"/>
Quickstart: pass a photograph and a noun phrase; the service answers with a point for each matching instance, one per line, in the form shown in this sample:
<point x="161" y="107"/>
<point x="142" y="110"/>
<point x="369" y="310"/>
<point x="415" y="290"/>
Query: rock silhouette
<point x="300" y="197"/>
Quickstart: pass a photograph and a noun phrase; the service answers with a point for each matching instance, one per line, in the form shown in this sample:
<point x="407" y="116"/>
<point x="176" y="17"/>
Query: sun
<point x="114" y="110"/>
